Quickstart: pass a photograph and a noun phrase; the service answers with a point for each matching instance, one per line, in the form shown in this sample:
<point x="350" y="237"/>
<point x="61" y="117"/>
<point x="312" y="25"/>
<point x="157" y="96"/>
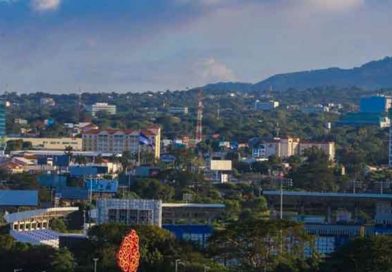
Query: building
<point x="358" y="119"/>
<point x="373" y="111"/>
<point x="219" y="170"/>
<point x="33" y="226"/>
<point x="51" y="143"/>
<point x="20" y="121"/>
<point x="328" y="148"/>
<point x="178" y="110"/>
<point x="47" y="101"/>
<point x="264" y="150"/>
<point x="375" y="104"/>
<point x="130" y="211"/>
<point x="10" y="198"/>
<point x="286" y="147"/>
<point x="266" y="105"/>
<point x="335" y="216"/>
<point x="315" y="109"/>
<point x="117" y="141"/>
<point x="154" y="212"/>
<point x="103" y="107"/>
<point x="79" y="128"/>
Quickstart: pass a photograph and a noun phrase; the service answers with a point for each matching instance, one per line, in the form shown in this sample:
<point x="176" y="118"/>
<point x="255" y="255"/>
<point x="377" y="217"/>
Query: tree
<point x="62" y="261"/>
<point x="362" y="255"/>
<point x="13" y="145"/>
<point x="80" y="159"/>
<point x="257" y="245"/>
<point x="58" y="224"/>
<point x="316" y="173"/>
<point x="153" y="189"/>
<point x="158" y="248"/>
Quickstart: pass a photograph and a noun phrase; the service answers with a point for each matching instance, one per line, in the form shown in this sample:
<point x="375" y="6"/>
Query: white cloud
<point x="211" y="70"/>
<point x="45" y="5"/>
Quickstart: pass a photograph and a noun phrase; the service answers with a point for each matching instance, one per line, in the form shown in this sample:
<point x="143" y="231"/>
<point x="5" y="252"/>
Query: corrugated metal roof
<point x="18" y="198"/>
<point x="50" y="213"/>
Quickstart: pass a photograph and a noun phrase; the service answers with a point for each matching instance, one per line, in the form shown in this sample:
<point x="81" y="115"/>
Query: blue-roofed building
<point x="375" y="104"/>
<point x="372" y="112"/>
<point x="87" y="170"/>
<point x="53" y="181"/>
<point x="101" y="185"/>
<point x="72" y="193"/>
<point x="18" y="198"/>
<point x="197" y="234"/>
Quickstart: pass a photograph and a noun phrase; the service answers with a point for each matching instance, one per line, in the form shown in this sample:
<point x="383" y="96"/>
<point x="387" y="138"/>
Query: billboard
<point x="101" y="185"/>
<point x="221" y="165"/>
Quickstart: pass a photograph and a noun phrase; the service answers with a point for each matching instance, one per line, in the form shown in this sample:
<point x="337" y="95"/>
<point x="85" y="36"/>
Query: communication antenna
<point x="199" y="126"/>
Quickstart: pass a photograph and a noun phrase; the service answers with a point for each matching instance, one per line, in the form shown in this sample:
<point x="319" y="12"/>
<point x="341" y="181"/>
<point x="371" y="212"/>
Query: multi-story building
<point x="327" y="147"/>
<point x="104" y="107"/>
<point x="117" y="141"/>
<point x="51" y="143"/>
<point x="286" y="147"/>
<point x="130" y="211"/>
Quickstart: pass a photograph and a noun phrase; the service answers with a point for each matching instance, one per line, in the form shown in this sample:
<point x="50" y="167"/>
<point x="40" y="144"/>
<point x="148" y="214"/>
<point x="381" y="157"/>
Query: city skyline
<point x="62" y="46"/>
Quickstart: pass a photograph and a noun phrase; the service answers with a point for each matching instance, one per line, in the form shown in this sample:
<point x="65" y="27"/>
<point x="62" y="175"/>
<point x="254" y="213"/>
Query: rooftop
<point x="18" y="198"/>
<point x="41" y="213"/>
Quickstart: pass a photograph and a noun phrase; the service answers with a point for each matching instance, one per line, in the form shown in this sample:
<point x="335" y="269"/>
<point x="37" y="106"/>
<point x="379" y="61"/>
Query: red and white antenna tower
<point x="199" y="126"/>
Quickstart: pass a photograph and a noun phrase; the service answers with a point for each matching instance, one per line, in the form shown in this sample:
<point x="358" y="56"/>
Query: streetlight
<point x="288" y="182"/>
<point x="95" y="264"/>
<point x="178" y="261"/>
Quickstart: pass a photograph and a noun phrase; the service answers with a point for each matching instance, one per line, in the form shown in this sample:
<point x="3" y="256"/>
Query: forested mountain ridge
<point x="372" y="75"/>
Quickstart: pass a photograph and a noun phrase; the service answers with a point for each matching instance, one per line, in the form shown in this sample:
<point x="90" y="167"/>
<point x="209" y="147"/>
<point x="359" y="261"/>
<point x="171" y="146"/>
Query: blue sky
<point x="141" y="45"/>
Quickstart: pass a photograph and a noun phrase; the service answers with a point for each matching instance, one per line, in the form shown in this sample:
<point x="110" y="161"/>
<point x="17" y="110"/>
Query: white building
<point x="287" y="147"/>
<point x="117" y="141"/>
<point x="130" y="211"/>
<point x="104" y="107"/>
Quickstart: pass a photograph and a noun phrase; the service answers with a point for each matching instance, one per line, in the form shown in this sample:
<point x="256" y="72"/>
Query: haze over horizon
<point x="124" y="45"/>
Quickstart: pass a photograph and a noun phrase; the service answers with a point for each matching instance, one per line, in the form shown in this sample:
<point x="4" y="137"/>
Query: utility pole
<point x="95" y="264"/>
<point x="382" y="184"/>
<point x="177" y="262"/>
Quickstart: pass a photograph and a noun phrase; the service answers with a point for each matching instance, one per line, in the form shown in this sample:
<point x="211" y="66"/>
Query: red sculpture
<point x="128" y="255"/>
